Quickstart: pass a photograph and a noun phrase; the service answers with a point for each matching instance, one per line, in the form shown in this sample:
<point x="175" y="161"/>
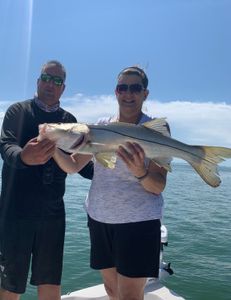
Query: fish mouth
<point x="78" y="142"/>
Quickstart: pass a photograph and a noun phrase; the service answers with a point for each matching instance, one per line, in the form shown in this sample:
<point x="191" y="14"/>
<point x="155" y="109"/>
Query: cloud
<point x="190" y="122"/>
<point x="89" y="109"/>
<point x="196" y="123"/>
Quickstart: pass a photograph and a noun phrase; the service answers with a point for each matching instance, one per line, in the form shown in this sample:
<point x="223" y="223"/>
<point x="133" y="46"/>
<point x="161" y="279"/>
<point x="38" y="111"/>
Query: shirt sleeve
<point x="88" y="170"/>
<point x="9" y="144"/>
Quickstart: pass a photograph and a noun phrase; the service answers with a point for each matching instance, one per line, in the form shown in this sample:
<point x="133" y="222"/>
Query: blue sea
<point x="199" y="235"/>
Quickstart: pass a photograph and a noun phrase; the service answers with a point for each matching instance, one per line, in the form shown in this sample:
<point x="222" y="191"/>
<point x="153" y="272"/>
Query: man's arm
<point x="9" y="145"/>
<point x="16" y="153"/>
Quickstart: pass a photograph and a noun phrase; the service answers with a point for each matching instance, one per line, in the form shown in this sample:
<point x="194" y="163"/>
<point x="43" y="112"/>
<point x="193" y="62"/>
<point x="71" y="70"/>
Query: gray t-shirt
<point x="116" y="196"/>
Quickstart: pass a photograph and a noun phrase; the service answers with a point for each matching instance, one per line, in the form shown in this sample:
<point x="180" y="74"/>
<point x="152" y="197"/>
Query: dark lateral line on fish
<point x="123" y="134"/>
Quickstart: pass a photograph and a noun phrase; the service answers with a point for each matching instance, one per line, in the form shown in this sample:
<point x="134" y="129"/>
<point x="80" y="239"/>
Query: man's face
<point x="50" y="84"/>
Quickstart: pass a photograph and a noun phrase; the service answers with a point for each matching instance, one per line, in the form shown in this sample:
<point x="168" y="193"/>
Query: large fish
<point x="103" y="140"/>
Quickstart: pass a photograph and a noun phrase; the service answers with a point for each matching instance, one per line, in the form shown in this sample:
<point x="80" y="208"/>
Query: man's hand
<point x="37" y="152"/>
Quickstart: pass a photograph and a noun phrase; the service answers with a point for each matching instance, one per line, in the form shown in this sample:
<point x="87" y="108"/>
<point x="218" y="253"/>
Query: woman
<point x="124" y="205"/>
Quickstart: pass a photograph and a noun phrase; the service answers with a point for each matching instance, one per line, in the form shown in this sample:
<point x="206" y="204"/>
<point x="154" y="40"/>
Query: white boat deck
<point x="153" y="291"/>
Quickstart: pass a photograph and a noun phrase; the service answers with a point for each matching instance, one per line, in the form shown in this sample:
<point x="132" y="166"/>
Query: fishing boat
<point x="154" y="289"/>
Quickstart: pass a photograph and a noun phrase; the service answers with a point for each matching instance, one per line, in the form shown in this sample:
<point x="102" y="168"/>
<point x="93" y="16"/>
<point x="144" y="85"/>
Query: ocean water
<point x="199" y="235"/>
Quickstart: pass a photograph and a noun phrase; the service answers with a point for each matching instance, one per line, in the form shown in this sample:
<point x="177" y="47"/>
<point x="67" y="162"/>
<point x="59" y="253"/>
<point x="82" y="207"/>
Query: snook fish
<point x="103" y="140"/>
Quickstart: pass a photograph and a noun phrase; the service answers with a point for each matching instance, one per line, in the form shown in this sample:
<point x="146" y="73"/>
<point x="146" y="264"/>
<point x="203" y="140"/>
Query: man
<point x="32" y="214"/>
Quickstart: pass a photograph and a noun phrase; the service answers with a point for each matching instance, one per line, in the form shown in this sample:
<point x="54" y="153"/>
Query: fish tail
<point x="207" y="168"/>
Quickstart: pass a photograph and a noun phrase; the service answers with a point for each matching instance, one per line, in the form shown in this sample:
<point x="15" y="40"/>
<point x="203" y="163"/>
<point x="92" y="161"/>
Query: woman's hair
<point x="134" y="70"/>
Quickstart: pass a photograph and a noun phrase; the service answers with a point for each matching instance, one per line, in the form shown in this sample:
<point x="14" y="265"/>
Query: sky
<point x="183" y="45"/>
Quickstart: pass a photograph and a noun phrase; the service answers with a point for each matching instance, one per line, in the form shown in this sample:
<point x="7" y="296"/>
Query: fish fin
<point x="42" y="131"/>
<point x="207" y="168"/>
<point x="107" y="159"/>
<point x="163" y="163"/>
<point x="159" y="124"/>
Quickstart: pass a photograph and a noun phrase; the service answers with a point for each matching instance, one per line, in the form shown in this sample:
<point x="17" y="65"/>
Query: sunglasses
<point x="58" y="81"/>
<point x="135" y="88"/>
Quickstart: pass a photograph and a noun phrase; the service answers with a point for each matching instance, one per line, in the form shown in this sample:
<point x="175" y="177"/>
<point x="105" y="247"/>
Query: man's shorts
<point x="132" y="248"/>
<point x="37" y="242"/>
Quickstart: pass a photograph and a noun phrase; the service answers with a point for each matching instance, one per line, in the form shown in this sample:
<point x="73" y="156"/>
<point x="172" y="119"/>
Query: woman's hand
<point x="134" y="157"/>
<point x="152" y="177"/>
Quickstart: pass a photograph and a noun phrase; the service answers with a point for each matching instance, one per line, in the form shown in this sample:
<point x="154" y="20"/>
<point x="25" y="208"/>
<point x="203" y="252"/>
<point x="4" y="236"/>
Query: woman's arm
<point x="71" y="163"/>
<point x="152" y="178"/>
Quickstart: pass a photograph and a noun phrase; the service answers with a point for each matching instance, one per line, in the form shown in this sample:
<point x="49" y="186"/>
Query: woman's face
<point x="130" y="94"/>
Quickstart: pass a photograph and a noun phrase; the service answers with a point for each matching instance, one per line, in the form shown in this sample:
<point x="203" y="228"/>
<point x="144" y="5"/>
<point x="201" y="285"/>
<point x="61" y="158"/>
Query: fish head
<point x="67" y="136"/>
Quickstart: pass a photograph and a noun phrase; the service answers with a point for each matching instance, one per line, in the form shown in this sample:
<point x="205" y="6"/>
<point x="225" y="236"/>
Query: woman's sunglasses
<point x="135" y="88"/>
<point x="47" y="78"/>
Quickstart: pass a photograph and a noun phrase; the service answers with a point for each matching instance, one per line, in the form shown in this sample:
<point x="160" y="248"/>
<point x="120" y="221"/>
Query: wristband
<point x="142" y="177"/>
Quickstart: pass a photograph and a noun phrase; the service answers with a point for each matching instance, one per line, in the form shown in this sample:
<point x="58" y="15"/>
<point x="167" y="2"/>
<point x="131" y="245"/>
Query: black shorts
<point x="38" y="242"/>
<point x="132" y="248"/>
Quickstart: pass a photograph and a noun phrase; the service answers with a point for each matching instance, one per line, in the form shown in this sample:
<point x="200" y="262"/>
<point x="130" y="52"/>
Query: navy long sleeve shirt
<point x="31" y="192"/>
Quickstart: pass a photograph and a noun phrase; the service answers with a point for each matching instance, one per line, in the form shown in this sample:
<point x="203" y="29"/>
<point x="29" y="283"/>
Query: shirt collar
<point x="116" y="118"/>
<point x="45" y="107"/>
